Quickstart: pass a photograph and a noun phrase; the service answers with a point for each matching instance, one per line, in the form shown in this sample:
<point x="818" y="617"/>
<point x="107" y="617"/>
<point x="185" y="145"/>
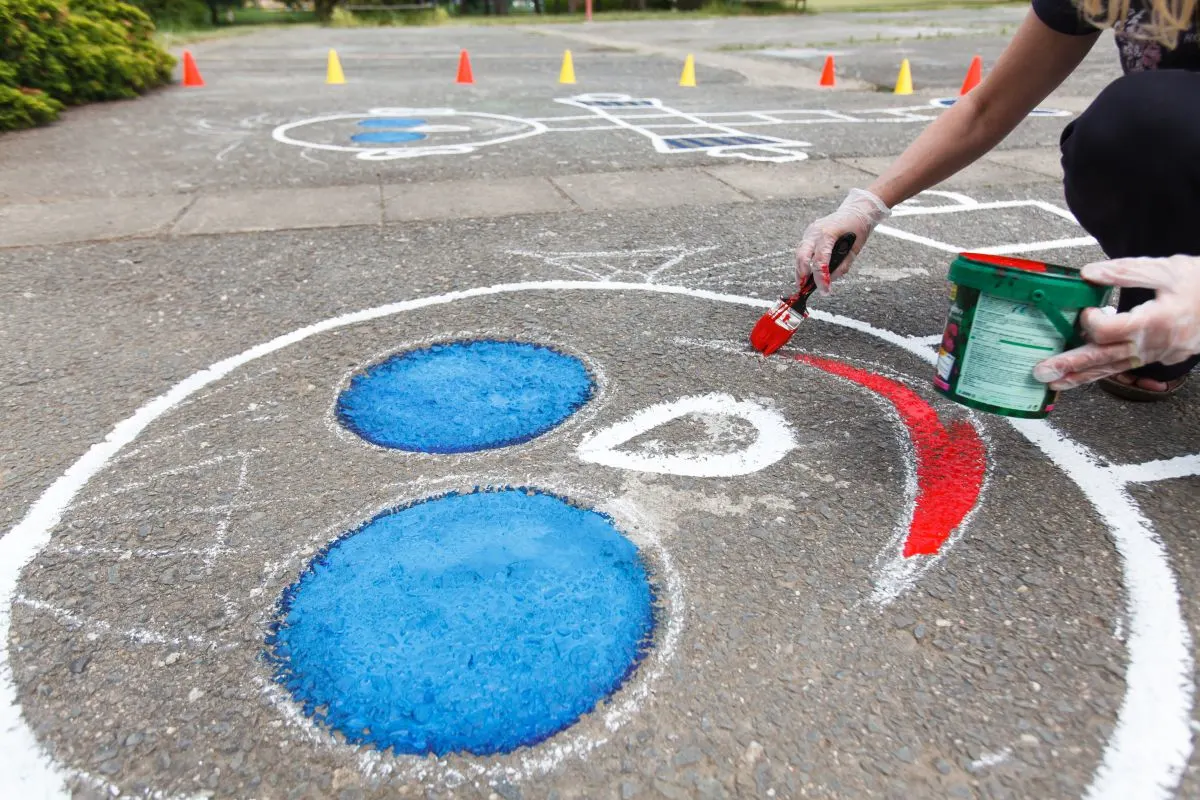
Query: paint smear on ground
<point x="951" y="460"/>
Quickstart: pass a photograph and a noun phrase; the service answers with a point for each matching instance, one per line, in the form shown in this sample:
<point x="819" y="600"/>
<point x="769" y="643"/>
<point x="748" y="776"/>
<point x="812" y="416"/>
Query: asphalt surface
<point x="1007" y="668"/>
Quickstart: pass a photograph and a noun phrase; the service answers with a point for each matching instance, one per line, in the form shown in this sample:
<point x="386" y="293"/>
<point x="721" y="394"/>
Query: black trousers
<point x="1131" y="166"/>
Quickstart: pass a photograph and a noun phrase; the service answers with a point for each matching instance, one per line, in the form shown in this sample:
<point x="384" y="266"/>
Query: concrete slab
<point x="54" y="223"/>
<point x="814" y="178"/>
<point x="981" y="173"/>
<point x="275" y="209"/>
<point x="1043" y="160"/>
<point x="465" y="199"/>
<point x="646" y="189"/>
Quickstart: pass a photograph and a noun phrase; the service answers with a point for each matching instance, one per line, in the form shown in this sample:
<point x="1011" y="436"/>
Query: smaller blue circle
<point x="480" y="623"/>
<point x="387" y="137"/>
<point x="464" y="396"/>
<point x="390" y="122"/>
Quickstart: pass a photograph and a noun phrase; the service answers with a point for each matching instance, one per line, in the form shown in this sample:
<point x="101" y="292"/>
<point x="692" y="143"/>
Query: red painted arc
<point x="951" y="460"/>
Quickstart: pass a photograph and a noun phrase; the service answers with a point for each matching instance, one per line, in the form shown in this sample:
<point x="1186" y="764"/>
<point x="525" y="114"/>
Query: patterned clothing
<point x="1138" y="52"/>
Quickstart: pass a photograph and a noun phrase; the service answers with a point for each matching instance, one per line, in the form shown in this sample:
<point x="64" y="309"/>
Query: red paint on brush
<point x="951" y="460"/>
<point x="775" y="328"/>
<point x="1007" y="261"/>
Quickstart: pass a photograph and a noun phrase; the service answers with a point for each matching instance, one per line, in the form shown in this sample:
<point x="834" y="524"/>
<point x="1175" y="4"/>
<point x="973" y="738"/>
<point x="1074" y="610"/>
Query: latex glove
<point x="859" y="213"/>
<point x="1165" y="329"/>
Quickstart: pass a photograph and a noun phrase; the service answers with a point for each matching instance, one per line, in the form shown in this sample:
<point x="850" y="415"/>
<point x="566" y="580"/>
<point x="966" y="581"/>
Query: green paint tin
<point x="1006" y="315"/>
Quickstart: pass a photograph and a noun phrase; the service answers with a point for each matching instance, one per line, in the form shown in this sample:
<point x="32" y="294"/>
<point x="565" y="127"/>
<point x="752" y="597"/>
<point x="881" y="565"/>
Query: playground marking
<point x="1144" y="757"/>
<point x="416" y="132"/>
<point x="773" y="441"/>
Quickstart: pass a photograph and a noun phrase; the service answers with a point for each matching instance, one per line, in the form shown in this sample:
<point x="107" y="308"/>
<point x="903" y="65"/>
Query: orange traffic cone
<point x="464" y="68"/>
<point x="827" y="72"/>
<point x="974" y="75"/>
<point x="191" y="75"/>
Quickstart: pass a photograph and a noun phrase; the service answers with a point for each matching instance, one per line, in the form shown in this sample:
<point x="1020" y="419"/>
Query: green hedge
<point x="64" y="52"/>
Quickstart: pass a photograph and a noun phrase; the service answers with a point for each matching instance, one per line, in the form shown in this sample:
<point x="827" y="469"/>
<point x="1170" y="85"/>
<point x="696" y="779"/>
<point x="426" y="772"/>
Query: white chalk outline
<point x="774" y="150"/>
<point x="773" y="442"/>
<point x="281" y="134"/>
<point x="964" y="204"/>
<point x="947" y="102"/>
<point x="1144" y="758"/>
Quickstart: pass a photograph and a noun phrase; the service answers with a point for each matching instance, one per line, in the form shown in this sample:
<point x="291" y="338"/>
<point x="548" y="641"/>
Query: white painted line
<point x="1160" y="470"/>
<point x="774" y="149"/>
<point x="1152" y="740"/>
<point x="284" y="134"/>
<point x="773" y="442"/>
<point x="913" y="211"/>
<point x="896" y="233"/>
<point x="1144" y="758"/>
<point x="1034" y="247"/>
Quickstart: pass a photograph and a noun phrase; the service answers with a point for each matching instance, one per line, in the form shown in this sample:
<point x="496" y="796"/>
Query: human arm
<point x="1165" y="329"/>
<point x="1035" y="63"/>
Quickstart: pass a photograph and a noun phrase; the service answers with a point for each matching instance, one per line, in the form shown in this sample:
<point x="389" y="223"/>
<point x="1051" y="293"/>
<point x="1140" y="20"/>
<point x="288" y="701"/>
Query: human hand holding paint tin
<point x="1164" y="330"/>
<point x="858" y="214"/>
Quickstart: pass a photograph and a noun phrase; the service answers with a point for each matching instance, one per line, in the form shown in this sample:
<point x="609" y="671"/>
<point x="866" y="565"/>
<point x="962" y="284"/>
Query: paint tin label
<point x="1007" y="340"/>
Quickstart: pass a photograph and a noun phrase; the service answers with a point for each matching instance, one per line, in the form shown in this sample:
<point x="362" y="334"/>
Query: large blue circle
<point x="464" y="396"/>
<point x="477" y="623"/>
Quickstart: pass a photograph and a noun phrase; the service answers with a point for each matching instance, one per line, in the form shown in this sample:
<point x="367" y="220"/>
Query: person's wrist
<point x="881" y="209"/>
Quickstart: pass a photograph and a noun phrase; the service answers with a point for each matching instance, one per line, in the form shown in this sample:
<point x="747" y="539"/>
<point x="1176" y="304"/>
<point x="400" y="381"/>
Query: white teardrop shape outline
<point x="774" y="440"/>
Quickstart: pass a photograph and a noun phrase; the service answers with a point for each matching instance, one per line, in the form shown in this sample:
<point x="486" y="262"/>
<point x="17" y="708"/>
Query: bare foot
<point x="1149" y="384"/>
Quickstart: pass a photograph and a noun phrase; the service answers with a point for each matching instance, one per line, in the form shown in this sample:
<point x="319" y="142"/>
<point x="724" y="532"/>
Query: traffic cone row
<point x="334" y="76"/>
<point x="904" y="81"/>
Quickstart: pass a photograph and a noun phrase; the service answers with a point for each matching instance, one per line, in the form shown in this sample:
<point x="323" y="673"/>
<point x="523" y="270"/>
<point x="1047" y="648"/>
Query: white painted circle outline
<point x="1144" y="758"/>
<point x="280" y="134"/>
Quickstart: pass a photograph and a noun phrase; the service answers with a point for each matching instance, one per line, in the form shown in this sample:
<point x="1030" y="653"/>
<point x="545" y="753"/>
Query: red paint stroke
<point x="951" y="460"/>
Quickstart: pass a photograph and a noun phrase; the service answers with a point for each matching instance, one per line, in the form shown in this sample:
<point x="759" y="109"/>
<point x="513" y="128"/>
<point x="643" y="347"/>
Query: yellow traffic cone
<point x="333" y="72"/>
<point x="567" y="73"/>
<point x="904" y="81"/>
<point x="689" y="72"/>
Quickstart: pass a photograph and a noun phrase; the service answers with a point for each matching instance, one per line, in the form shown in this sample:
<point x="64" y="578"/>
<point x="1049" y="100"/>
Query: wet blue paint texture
<point x="464" y="396"/>
<point x="391" y="130"/>
<point x="477" y="623"/>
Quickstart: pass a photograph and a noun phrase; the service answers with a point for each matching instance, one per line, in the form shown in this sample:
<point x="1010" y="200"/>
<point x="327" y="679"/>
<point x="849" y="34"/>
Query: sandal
<point x="1131" y="391"/>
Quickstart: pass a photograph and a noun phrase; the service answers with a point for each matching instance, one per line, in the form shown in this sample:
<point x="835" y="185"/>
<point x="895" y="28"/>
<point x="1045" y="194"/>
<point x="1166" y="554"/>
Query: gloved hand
<point x="859" y="213"/>
<point x="1165" y="329"/>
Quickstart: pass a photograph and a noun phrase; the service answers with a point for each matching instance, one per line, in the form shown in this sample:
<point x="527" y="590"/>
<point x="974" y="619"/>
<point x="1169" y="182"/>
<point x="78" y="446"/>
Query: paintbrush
<point x="776" y="327"/>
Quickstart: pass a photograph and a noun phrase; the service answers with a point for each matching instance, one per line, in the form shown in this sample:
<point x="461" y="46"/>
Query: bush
<point x="25" y="108"/>
<point x="344" y="18"/>
<point x="53" y="53"/>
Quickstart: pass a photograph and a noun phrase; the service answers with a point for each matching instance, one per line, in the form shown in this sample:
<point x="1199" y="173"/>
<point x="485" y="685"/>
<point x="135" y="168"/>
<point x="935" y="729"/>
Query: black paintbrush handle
<point x="841" y="249"/>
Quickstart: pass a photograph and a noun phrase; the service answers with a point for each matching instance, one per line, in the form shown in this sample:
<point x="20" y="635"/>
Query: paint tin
<point x="1007" y="315"/>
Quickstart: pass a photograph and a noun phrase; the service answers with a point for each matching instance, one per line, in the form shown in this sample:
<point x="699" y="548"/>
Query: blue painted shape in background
<point x="387" y="137"/>
<point x="478" y="623"/>
<point x="464" y="396"/>
<point x="390" y="122"/>
<point x="397" y="130"/>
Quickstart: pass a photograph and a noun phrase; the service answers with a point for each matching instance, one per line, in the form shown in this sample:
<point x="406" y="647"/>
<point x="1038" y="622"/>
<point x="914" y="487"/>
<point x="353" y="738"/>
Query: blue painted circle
<point x="479" y="623"/>
<point x="387" y="137"/>
<point x="464" y="396"/>
<point x="390" y="122"/>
